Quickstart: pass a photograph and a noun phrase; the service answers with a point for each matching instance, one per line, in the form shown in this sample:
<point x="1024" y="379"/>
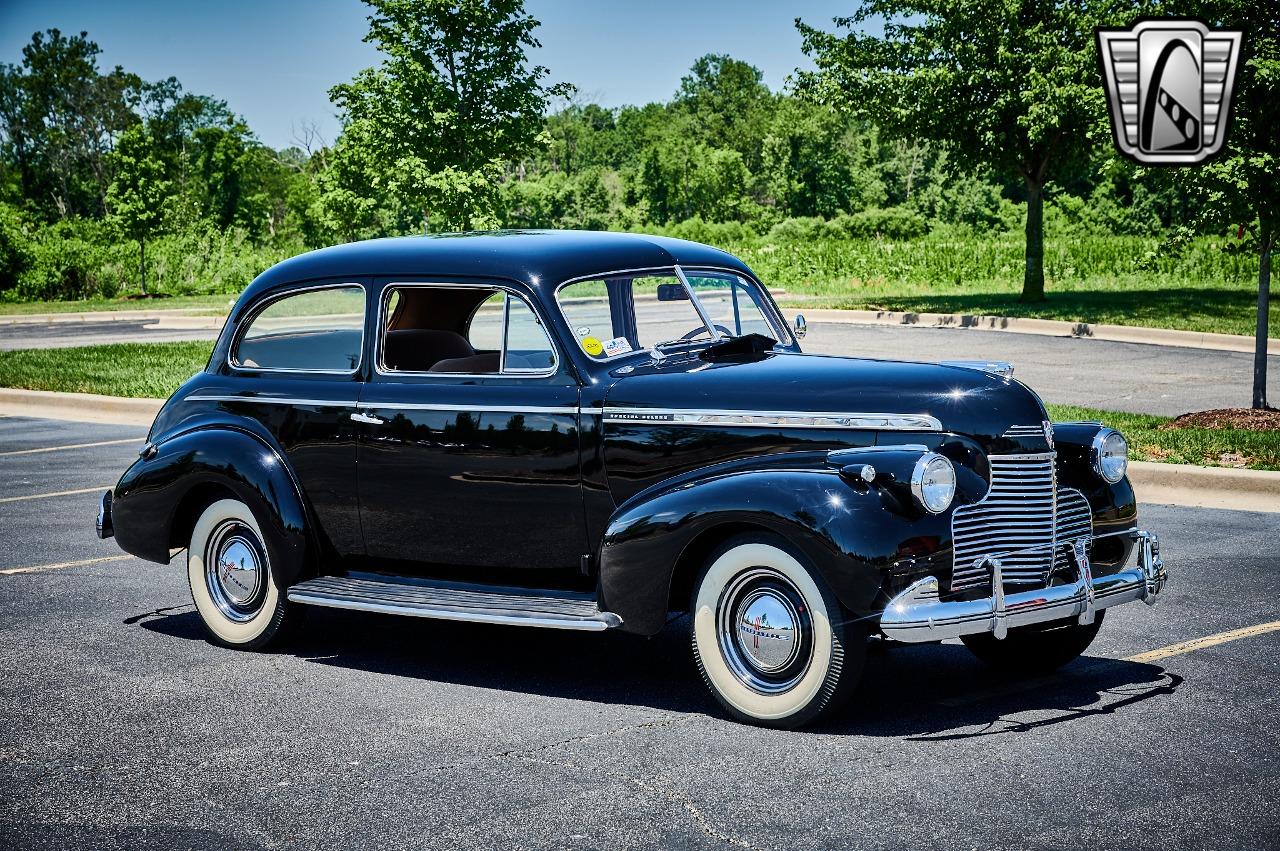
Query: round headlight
<point x="1110" y="455"/>
<point x="933" y="483"/>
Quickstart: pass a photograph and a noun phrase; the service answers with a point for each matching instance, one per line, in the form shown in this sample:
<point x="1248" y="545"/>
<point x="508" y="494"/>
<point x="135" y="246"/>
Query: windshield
<point x="612" y="316"/>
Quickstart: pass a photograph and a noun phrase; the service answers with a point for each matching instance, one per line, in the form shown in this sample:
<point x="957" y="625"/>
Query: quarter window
<point x="313" y="331"/>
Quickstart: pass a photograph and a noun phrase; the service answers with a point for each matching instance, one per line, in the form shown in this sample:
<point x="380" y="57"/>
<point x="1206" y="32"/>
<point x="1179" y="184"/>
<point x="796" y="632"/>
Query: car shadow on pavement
<point x="919" y="693"/>
<point x="934" y="693"/>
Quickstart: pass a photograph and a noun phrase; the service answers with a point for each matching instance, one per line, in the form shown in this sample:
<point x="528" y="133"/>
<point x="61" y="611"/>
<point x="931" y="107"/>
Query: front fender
<point x="851" y="533"/>
<point x="147" y="500"/>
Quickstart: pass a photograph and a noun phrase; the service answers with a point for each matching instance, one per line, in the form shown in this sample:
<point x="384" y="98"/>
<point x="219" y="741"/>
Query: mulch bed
<point x="1249" y="419"/>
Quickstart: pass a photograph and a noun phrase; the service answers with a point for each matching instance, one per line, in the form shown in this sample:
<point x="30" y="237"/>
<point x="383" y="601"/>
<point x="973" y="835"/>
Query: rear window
<point x="313" y="331"/>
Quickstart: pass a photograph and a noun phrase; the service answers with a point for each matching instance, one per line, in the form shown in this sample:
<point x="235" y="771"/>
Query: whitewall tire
<point x="229" y="571"/>
<point x="769" y="636"/>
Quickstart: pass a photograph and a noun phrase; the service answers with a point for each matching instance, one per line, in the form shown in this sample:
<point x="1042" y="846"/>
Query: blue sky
<point x="273" y="62"/>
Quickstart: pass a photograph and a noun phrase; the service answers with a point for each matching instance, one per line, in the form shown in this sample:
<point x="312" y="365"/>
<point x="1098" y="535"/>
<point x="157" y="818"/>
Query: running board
<point x="455" y="602"/>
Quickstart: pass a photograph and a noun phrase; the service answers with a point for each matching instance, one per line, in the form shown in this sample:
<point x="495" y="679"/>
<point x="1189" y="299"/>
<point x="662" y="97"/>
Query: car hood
<point x="964" y="400"/>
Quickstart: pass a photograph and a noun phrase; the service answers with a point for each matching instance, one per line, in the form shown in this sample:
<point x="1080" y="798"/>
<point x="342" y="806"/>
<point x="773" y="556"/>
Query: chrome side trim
<point x="397" y="406"/>
<point x="787" y="419"/>
<point x="916" y="614"/>
<point x="273" y="400"/>
<point x="423" y="406"/>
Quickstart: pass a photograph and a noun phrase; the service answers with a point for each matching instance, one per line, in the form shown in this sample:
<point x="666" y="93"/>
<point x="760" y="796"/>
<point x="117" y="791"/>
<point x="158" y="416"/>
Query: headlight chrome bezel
<point x="918" y="483"/>
<point x="1098" y="456"/>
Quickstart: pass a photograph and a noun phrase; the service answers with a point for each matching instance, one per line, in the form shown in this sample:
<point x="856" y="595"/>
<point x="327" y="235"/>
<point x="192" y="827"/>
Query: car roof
<point x="543" y="259"/>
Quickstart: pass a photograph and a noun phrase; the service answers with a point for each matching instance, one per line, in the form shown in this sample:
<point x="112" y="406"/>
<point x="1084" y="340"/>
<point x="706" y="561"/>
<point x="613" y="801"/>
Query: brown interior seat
<point x="481" y="364"/>
<point x="420" y="349"/>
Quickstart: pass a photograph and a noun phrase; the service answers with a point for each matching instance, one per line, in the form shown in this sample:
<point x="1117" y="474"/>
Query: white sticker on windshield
<point x="583" y="330"/>
<point x="616" y="346"/>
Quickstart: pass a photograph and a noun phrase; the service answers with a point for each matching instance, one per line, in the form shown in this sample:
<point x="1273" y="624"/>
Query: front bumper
<point x="918" y="615"/>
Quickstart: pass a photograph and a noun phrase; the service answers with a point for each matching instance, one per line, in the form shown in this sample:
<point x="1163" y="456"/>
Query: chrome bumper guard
<point x="918" y="615"/>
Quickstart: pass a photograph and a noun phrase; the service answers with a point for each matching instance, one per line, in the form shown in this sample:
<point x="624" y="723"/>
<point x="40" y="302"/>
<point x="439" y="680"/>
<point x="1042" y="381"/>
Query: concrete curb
<point x="1176" y="484"/>
<point x="106" y="316"/>
<point x="78" y="407"/>
<point x="1043" y="327"/>
<point x="1206" y="487"/>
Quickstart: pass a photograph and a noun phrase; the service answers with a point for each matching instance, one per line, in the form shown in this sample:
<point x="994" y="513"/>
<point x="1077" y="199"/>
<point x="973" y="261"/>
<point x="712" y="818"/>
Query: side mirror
<point x="801" y="327"/>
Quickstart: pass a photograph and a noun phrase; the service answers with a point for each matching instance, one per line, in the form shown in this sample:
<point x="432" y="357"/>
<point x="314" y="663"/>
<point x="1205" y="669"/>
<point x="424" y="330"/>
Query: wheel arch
<point x="160" y="497"/>
<point x="654" y="547"/>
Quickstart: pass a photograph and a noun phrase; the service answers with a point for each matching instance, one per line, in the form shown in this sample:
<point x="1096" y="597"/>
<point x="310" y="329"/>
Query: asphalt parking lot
<point x="123" y="728"/>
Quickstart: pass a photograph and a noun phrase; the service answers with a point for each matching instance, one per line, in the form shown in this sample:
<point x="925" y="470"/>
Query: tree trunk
<point x="142" y="262"/>
<point x="1033" y="273"/>
<point x="1266" y="237"/>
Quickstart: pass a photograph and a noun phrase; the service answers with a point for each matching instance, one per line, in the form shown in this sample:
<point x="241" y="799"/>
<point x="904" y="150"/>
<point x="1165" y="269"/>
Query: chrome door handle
<point x="367" y="419"/>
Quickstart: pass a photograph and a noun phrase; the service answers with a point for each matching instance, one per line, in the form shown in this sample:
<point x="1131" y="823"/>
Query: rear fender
<point x="147" y="500"/>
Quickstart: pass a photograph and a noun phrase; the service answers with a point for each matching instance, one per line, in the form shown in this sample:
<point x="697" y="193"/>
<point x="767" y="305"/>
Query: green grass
<point x="138" y="370"/>
<point x="155" y="370"/>
<point x="213" y="305"/>
<point x="1259" y="450"/>
<point x="1097" y="279"/>
<point x="1207" y="285"/>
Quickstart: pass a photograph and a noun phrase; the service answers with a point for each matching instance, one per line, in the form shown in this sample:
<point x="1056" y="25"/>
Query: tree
<point x="432" y="127"/>
<point x="137" y="194"/>
<point x="59" y="118"/>
<point x="1241" y="188"/>
<point x="1008" y="85"/>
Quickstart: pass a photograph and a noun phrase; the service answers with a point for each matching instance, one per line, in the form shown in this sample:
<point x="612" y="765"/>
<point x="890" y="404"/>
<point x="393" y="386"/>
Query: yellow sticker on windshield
<point x="592" y="346"/>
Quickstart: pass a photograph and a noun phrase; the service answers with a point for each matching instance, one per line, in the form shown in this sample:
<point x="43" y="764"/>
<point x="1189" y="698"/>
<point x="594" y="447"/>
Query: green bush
<point x="15" y="246"/>
<point x="72" y="259"/>
<point x="719" y="234"/>
<point x="891" y="223"/>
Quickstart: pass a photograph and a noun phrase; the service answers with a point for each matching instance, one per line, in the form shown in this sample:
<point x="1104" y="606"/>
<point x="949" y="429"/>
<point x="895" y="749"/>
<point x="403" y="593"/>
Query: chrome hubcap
<point x="766" y="625"/>
<point x="765" y="631"/>
<point x="236" y="571"/>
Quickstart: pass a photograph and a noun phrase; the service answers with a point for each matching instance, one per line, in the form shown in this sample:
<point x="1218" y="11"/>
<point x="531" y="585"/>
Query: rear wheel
<point x="770" y="638"/>
<point x="229" y="571"/>
<point x="1035" y="649"/>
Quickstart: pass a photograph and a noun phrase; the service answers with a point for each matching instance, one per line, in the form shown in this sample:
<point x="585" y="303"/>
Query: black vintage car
<point x="592" y="431"/>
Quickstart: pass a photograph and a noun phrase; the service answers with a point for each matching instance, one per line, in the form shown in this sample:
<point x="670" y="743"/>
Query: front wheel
<point x="229" y="570"/>
<point x="770" y="638"/>
<point x="1035" y="649"/>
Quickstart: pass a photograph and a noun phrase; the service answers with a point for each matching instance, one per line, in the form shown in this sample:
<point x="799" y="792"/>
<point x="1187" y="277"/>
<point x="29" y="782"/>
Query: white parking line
<point x="39" y="568"/>
<point x="98" y="489"/>
<point x="70" y="446"/>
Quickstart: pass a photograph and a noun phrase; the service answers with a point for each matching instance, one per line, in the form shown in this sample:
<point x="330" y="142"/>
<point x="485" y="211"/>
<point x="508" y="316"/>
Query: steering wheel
<point x="693" y="332"/>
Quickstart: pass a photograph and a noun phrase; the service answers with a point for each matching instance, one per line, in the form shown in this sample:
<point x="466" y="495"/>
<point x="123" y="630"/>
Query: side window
<point x="317" y="330"/>
<point x="485" y="331"/>
<point x="464" y="331"/>
<point x="528" y="348"/>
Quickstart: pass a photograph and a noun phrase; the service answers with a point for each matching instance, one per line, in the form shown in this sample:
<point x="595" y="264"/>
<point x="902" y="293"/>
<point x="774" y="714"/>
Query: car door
<point x="296" y="365"/>
<point x="470" y="461"/>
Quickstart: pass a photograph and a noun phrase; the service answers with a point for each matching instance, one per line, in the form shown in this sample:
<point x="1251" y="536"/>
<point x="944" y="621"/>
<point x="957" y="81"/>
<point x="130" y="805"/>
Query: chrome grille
<point x="1018" y="431"/>
<point x="1024" y="509"/>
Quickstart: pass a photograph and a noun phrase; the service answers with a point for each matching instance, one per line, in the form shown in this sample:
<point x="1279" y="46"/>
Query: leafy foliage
<point x="427" y="133"/>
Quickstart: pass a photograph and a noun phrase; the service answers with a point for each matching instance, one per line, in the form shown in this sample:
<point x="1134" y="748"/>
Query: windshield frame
<point x="768" y="308"/>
